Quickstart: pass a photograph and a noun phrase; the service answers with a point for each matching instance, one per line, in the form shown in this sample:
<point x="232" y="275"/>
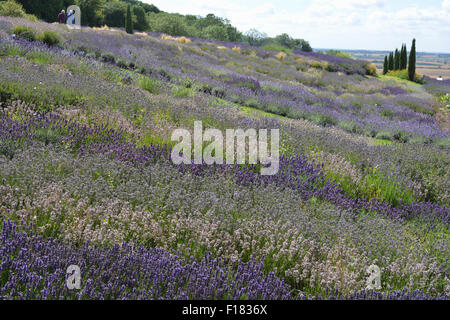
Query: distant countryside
<point x="429" y="64"/>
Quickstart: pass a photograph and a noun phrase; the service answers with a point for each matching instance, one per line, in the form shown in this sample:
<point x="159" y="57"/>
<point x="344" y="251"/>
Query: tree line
<point x="136" y="15"/>
<point x="398" y="60"/>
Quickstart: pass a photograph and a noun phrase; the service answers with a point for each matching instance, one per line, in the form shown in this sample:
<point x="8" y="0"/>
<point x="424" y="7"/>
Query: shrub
<point x="384" y="135"/>
<point x="219" y="92"/>
<point x="150" y="85"/>
<point x="252" y="103"/>
<point x="108" y="57"/>
<point x="323" y="120"/>
<point x="401" y="136"/>
<point x="236" y="49"/>
<point x="181" y="92"/>
<point x="281" y="56"/>
<point x="24" y="32"/>
<point x="121" y="63"/>
<point x="371" y="69"/>
<point x="11" y="8"/>
<point x="275" y="47"/>
<point x="50" y="38"/>
<point x="338" y="53"/>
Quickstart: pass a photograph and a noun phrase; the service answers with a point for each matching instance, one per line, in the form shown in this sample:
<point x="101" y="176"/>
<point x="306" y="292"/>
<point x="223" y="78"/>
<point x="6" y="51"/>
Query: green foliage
<point x="391" y="61"/>
<point x="396" y="60"/>
<point x="92" y="12"/>
<point x="114" y="11"/>
<point x="150" y="84"/>
<point x="11" y="8"/>
<point x="108" y="57"/>
<point x="277" y="48"/>
<point x="141" y="22"/>
<point x="403" y="57"/>
<point x="404" y="75"/>
<point x="50" y="38"/>
<point x="215" y="32"/>
<point x="171" y="24"/>
<point x="385" y="65"/>
<point x="45" y="9"/>
<point x="412" y="62"/>
<point x="24" y="32"/>
<point x="338" y="53"/>
<point x="129" y="21"/>
<point x="371" y="69"/>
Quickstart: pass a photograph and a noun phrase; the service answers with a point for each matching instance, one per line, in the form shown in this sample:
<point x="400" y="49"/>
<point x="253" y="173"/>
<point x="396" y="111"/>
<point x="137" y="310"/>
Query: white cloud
<point x="446" y="4"/>
<point x="360" y="24"/>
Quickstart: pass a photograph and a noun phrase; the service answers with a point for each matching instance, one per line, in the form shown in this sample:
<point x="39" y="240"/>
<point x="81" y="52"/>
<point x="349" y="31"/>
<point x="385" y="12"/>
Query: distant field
<point x="430" y="64"/>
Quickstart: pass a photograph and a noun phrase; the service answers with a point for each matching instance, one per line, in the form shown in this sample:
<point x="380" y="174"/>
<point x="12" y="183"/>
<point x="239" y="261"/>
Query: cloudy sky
<point x="341" y="24"/>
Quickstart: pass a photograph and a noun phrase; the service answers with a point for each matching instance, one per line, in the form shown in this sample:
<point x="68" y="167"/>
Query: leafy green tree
<point x="254" y="37"/>
<point x="172" y="24"/>
<point x="215" y="32"/>
<point x="11" y="8"/>
<point x="91" y="12"/>
<point x="284" y="40"/>
<point x="114" y="12"/>
<point x="129" y="20"/>
<point x="47" y="10"/>
<point x="385" y="66"/>
<point x="412" y="61"/>
<point x="233" y="34"/>
<point x="305" y="46"/>
<point x="141" y="19"/>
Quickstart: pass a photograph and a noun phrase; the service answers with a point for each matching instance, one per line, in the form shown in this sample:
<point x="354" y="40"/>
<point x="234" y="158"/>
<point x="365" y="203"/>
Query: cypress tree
<point x="402" y="57"/>
<point x="391" y="61"/>
<point x="397" y="60"/>
<point x="385" y="66"/>
<point x="412" y="61"/>
<point x="129" y="21"/>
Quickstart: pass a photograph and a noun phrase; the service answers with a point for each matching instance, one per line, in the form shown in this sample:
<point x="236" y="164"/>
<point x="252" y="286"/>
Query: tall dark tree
<point x="404" y="58"/>
<point x="385" y="66"/>
<point x="129" y="21"/>
<point x="397" y="60"/>
<point x="391" y="61"/>
<point x="412" y="61"/>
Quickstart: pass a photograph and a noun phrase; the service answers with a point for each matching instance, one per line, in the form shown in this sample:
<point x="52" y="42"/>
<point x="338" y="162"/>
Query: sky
<point x="338" y="24"/>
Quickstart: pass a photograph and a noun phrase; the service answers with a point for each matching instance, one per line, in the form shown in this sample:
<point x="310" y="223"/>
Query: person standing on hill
<point x="62" y="17"/>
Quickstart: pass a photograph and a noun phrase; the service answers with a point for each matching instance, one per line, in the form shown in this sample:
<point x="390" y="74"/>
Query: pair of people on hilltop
<point x="70" y="18"/>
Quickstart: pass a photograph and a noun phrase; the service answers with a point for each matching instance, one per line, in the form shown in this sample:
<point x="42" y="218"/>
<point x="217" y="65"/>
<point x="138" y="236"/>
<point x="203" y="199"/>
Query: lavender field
<point x="86" y="176"/>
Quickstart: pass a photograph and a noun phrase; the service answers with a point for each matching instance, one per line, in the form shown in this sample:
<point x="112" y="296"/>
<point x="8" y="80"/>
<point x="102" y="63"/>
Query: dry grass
<point x="183" y="40"/>
<point x="281" y="56"/>
<point x="144" y="34"/>
<point x="236" y="49"/>
<point x="104" y="28"/>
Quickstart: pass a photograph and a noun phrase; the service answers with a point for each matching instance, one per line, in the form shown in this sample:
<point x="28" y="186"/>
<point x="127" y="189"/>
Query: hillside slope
<point x="84" y="155"/>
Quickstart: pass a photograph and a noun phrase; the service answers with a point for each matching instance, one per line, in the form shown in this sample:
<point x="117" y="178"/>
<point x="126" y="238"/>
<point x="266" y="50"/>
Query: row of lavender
<point x="35" y="268"/>
<point x="295" y="171"/>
